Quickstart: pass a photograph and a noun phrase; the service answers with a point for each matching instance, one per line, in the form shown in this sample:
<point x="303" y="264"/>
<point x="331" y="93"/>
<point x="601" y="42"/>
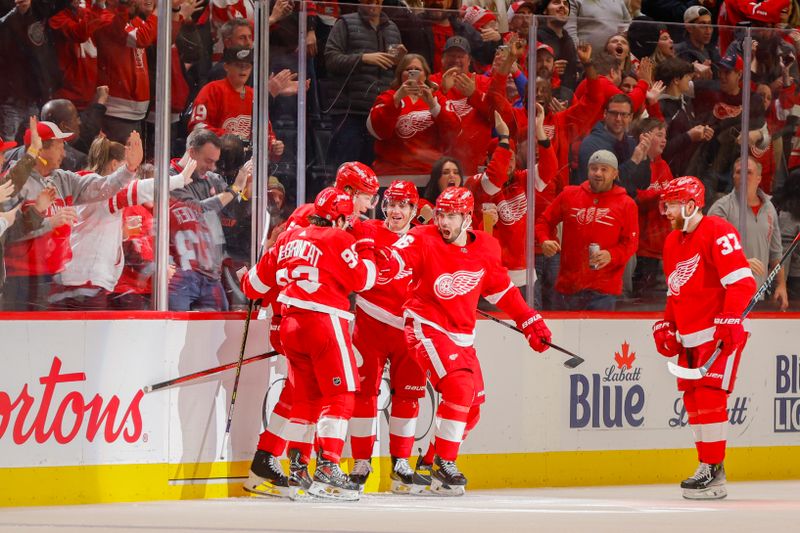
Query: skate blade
<point x="260" y="487"/>
<point x="440" y="489"/>
<point x="398" y="487"/>
<point x="710" y="493"/>
<point x="328" y="492"/>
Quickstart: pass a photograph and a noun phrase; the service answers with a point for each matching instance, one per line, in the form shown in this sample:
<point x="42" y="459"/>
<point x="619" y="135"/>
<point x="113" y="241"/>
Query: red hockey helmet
<point x="331" y="204"/>
<point x="455" y="200"/>
<point x="358" y="177"/>
<point x="682" y="190"/>
<point x="400" y="191"/>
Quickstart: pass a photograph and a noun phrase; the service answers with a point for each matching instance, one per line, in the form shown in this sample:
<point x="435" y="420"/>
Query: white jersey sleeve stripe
<point x="256" y="282"/>
<point x="494" y="298"/>
<point x="372" y="274"/>
<point x="736" y="275"/>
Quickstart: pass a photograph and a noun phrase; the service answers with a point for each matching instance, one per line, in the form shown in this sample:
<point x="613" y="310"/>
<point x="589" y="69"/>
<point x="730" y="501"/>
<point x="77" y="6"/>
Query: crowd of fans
<point x="629" y="94"/>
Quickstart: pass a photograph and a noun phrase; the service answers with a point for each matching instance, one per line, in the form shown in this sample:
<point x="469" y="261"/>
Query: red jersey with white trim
<point x="477" y="120"/>
<point x="447" y="280"/>
<point x="222" y="109"/>
<point x="409" y="139"/>
<point x="707" y="274"/>
<point x="122" y="63"/>
<point x="190" y="242"/>
<point x="384" y="302"/>
<point x="316" y="268"/>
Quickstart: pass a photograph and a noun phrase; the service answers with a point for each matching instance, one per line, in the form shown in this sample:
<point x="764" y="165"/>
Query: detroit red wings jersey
<point x="222" y="109"/>
<point x="409" y="139"/>
<point x="190" y="243"/>
<point x="447" y="279"/>
<point x="384" y="301"/>
<point x="316" y="268"/>
<point x="707" y="274"/>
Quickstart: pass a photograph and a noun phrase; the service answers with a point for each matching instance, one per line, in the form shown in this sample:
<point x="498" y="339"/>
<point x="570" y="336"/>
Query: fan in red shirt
<point x="465" y="94"/>
<point x="451" y="267"/>
<point x="379" y="336"/>
<point x="411" y="123"/>
<point x="597" y="212"/>
<point x="315" y="269"/>
<point x="709" y="286"/>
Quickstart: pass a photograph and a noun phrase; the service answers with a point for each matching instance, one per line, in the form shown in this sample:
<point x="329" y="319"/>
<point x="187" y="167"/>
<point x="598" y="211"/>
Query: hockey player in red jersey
<point x="378" y="337"/>
<point x="359" y="182"/>
<point x="315" y="269"/>
<point x="451" y="266"/>
<point x="709" y="286"/>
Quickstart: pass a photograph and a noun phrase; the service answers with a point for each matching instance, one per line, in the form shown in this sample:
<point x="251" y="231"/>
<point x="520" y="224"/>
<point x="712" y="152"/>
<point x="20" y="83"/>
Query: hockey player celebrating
<point x="378" y="337"/>
<point x="709" y="286"/>
<point x="451" y="266"/>
<point x="316" y="268"/>
<point x="358" y="181"/>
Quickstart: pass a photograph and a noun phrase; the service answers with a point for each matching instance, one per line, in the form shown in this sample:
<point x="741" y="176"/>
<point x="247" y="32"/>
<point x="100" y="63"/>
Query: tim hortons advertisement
<point x="71" y="392"/>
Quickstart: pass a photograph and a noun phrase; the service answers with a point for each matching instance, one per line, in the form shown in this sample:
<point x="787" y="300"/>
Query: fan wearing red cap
<point x="33" y="260"/>
<point x="450" y="267"/>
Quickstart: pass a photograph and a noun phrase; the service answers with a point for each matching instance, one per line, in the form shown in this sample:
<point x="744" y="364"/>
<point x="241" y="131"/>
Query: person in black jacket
<point x="426" y="33"/>
<point x="361" y="53"/>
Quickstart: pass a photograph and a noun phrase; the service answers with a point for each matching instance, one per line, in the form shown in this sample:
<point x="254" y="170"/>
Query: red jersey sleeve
<point x="405" y="254"/>
<point x="359" y="273"/>
<point x="547" y="222"/>
<point x="629" y="234"/>
<point x="260" y="279"/>
<point x="205" y="111"/>
<point x="383" y="116"/>
<point x="734" y="271"/>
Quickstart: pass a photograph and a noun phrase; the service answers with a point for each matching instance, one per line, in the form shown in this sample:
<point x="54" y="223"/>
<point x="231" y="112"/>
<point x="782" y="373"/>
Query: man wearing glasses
<point x="610" y="134"/>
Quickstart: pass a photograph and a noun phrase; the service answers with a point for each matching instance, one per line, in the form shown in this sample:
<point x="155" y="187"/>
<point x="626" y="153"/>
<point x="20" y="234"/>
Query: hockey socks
<point x="457" y="391"/>
<point x="706" y="408"/>
<point x="403" y="426"/>
<point x="363" y="426"/>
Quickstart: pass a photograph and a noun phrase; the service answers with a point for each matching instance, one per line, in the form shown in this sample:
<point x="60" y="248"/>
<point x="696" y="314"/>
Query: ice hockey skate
<point x="266" y="477"/>
<point x="360" y="473"/>
<point x="331" y="483"/>
<point x="421" y="480"/>
<point x="402" y="476"/>
<point x="299" y="478"/>
<point x="707" y="483"/>
<point x="446" y="480"/>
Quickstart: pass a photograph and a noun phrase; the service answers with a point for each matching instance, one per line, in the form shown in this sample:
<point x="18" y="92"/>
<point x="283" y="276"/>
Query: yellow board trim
<point x="66" y="485"/>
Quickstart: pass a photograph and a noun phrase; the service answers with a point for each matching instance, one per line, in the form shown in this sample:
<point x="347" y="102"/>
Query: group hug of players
<point x="417" y="289"/>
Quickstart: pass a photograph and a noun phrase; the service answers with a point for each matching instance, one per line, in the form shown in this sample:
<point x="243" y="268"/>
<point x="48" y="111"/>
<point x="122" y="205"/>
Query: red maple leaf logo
<point x="625" y="359"/>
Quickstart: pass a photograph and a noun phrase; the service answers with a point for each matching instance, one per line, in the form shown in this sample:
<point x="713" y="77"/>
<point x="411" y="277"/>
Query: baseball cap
<point x="6" y="145"/>
<point x="731" y="62"/>
<point x="47" y="131"/>
<point x="694" y="12"/>
<point x="604" y="157"/>
<point x="457" y="41"/>
<point x="546" y="47"/>
<point x="237" y="55"/>
<point x="519" y="4"/>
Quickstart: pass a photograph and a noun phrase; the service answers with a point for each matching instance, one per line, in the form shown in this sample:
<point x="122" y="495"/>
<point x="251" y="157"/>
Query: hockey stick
<point x="208" y="372"/>
<point x="572" y="362"/>
<point x="250" y="306"/>
<point x="699" y="372"/>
